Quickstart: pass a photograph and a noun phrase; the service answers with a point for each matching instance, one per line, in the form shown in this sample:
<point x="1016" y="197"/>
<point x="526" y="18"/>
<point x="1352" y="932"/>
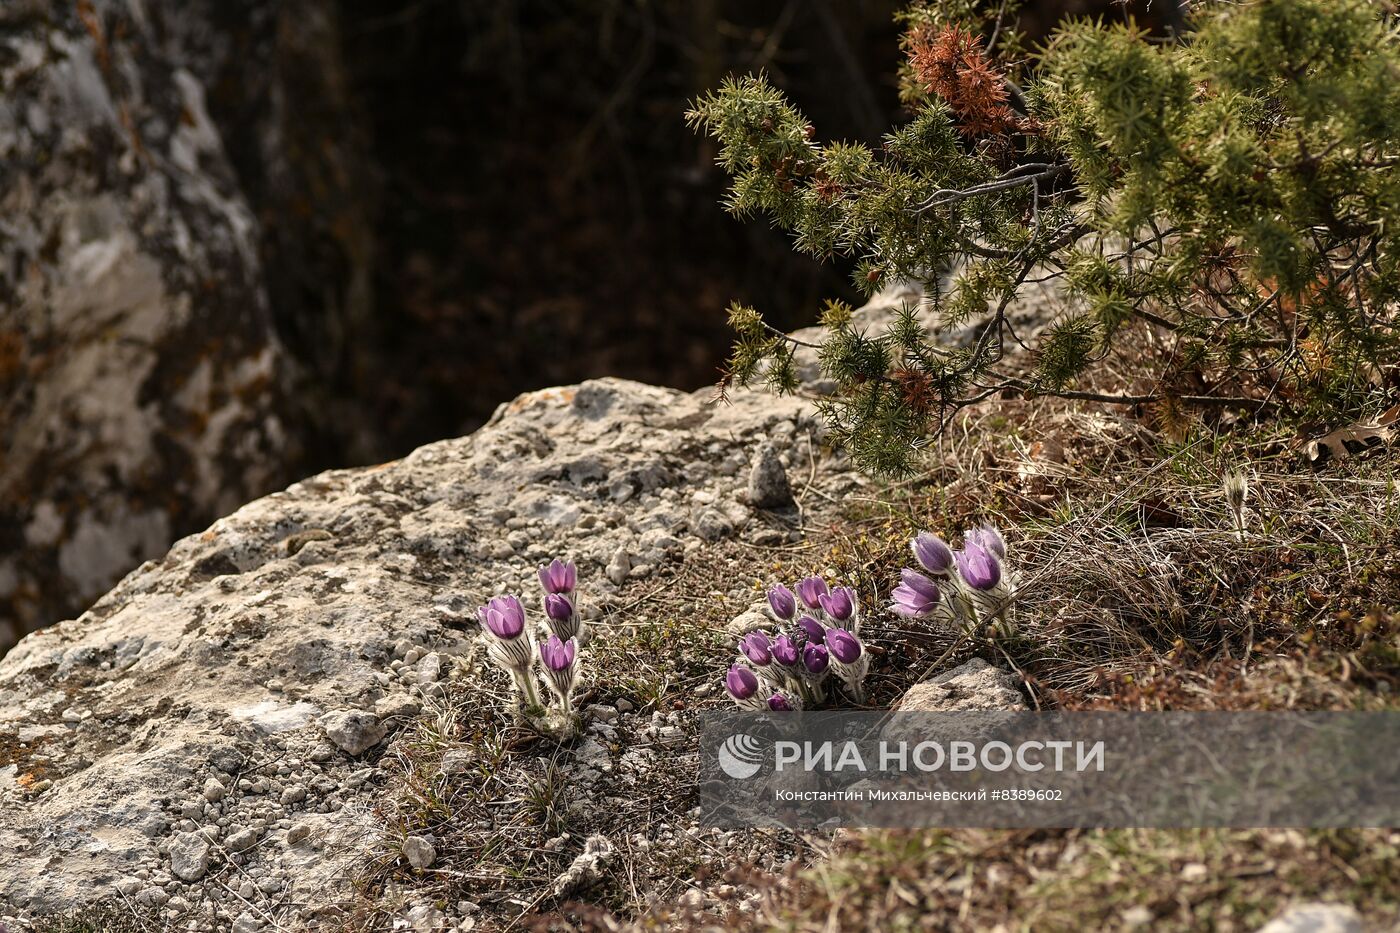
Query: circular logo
<point x="741" y="756"/>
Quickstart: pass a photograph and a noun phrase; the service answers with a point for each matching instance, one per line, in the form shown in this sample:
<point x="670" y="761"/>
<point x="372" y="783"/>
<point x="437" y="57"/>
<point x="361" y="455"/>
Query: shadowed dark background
<point x="541" y="212"/>
<point x="247" y="241"/>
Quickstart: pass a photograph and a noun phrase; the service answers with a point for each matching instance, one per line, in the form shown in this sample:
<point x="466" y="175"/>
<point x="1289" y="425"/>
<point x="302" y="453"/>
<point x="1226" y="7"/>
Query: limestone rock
<point x="1316" y="918"/>
<point x="189" y="856"/>
<point x="226" y="657"/>
<point x="141" y="377"/>
<point x="419" y="852"/>
<point x="353" y="731"/>
<point x="768" y="481"/>
<point x="975" y="685"/>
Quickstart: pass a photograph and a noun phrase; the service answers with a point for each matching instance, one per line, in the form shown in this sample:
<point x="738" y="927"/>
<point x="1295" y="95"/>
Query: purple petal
<point x="785" y="651"/>
<point x="741" y="682"/>
<point x="810" y="592"/>
<point x="978" y="567"/>
<point x="756" y="648"/>
<point x="988" y="538"/>
<point x="558" y="607"/>
<point x="932" y="553"/>
<point x="844" y="646"/>
<point x="782" y="602"/>
<point x="559" y="577"/>
<point x="840" y="603"/>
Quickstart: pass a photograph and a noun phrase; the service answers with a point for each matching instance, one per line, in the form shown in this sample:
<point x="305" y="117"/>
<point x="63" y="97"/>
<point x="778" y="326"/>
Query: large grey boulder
<point x="140" y="379"/>
<point x="184" y="273"/>
<point x="220" y="661"/>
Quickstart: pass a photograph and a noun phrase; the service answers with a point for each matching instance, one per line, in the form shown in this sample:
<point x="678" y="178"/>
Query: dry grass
<point x="1220" y="880"/>
<point x="510" y="824"/>
<point x="1137" y="591"/>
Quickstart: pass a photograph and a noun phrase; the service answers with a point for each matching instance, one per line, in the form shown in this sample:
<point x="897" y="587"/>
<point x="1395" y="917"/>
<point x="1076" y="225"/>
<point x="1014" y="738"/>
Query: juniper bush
<point x="1230" y="191"/>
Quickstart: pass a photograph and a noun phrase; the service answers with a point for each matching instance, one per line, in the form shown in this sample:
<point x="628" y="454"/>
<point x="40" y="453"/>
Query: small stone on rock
<point x="1315" y="918"/>
<point x="353" y="730"/>
<point x="419" y="852"/>
<point x="189" y="856"/>
<point x="768" y="481"/>
<point x="241" y="840"/>
<point x="214" y="790"/>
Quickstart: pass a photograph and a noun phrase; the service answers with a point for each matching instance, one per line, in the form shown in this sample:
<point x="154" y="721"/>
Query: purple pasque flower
<point x="558" y="607"/>
<point x="844" y="646"/>
<point x="839" y="604"/>
<point x="780" y="703"/>
<point x="562" y="616"/>
<point x="742" y="685"/>
<point x="782" y="603"/>
<point x="979" y="567"/>
<point x="785" y="651"/>
<point x="988" y="538"/>
<point x="757" y="648"/>
<point x="849" y="661"/>
<point x="816" y="659"/>
<point x="932" y="553"/>
<point x="559" y="577"/>
<point x="814" y="630"/>
<point x="508" y="643"/>
<point x="810" y="592"/>
<point x="558" y="655"/>
<point x="916" y="596"/>
<point x="560" y="669"/>
<point x="503" y="617"/>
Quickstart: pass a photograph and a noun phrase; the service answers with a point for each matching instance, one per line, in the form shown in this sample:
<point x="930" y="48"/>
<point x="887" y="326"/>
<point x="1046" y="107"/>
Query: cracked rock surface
<point x="204" y="739"/>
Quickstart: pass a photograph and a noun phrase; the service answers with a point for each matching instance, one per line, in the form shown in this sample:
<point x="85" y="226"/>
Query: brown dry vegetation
<point x="1137" y="590"/>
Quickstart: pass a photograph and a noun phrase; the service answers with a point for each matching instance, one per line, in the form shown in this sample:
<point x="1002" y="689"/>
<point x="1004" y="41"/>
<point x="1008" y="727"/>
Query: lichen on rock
<point x="213" y="688"/>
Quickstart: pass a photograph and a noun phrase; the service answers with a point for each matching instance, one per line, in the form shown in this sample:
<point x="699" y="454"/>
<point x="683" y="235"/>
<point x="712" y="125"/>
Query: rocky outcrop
<point x="974" y="685"/>
<point x="182" y="215"/>
<point x="139" y="373"/>
<point x="203" y="738"/>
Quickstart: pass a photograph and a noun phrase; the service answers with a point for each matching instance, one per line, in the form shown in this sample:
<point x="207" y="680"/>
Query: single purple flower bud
<point x="756" y="647"/>
<point x="504" y="617"/>
<point x="779" y="703"/>
<point x="741" y="682"/>
<point x="814" y="630"/>
<point x="988" y="538"/>
<point x="559" y="668"/>
<point x="839" y="604"/>
<point x="815" y="659"/>
<point x="785" y="651"/>
<point x="558" y="607"/>
<point x="557" y="655"/>
<point x="932" y="553"/>
<point x="782" y="602"/>
<point x="810" y="592"/>
<point x="978" y="567"/>
<point x="844" y="646"/>
<point x="916" y="595"/>
<point x="559" y="577"/>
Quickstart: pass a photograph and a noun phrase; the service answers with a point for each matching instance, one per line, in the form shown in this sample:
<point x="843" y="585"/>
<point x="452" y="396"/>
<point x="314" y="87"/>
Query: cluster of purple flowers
<point x="966" y="588"/>
<point x="513" y="648"/>
<point x="786" y="671"/>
